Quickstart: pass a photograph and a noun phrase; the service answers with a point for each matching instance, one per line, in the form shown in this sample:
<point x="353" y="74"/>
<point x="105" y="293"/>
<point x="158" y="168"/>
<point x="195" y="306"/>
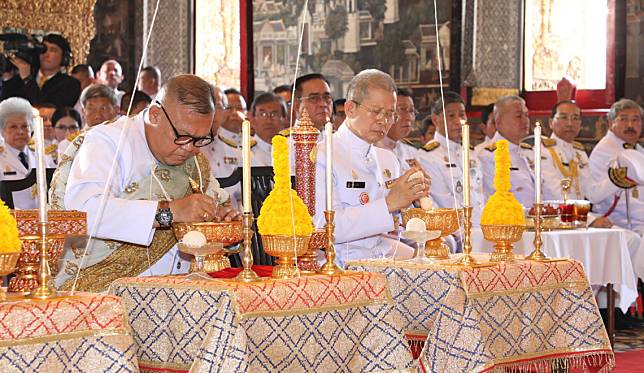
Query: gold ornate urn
<point x="444" y="220"/>
<point x="223" y="233"/>
<point x="8" y="263"/>
<point x="503" y="236"/>
<point x="308" y="263"/>
<point x="286" y="249"/>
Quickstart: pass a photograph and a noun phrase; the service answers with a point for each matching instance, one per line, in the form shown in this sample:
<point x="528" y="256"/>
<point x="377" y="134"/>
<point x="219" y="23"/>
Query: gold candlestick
<point x="467" y="259"/>
<point x="330" y="268"/>
<point x="247" y="274"/>
<point x="45" y="289"/>
<point x="537" y="254"/>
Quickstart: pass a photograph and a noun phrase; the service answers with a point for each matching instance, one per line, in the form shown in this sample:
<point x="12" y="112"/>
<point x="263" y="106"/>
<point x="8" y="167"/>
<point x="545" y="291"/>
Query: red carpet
<point x="630" y="361"/>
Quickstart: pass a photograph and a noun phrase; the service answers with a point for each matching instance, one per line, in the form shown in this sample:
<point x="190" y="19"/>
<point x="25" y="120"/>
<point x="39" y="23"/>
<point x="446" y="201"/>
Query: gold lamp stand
<point x="330" y="268"/>
<point x="247" y="274"/>
<point x="44" y="290"/>
<point x="537" y="255"/>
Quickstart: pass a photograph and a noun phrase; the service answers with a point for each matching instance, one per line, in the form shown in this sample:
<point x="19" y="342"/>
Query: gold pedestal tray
<point x="442" y="219"/>
<point x="286" y="249"/>
<point x="503" y="236"/>
<point x="308" y="263"/>
<point x="8" y="263"/>
<point x="224" y="233"/>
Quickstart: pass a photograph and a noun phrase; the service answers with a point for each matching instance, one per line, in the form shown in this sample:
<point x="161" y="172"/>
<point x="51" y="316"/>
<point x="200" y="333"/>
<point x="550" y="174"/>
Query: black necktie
<point x="23" y="159"/>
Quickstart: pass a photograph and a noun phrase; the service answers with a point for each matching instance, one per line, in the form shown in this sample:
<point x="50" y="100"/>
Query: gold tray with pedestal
<point x="61" y="224"/>
<point x="286" y="249"/>
<point x="225" y="233"/>
<point x="8" y="263"/>
<point x="444" y="220"/>
<point x="503" y="236"/>
<point x="308" y="263"/>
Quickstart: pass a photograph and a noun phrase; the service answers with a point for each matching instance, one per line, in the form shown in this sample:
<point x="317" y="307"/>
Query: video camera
<point x="25" y="47"/>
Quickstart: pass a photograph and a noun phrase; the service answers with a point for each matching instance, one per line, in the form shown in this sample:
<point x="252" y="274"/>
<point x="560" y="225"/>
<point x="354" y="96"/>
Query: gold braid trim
<point x="128" y="260"/>
<point x="572" y="171"/>
<point x="204" y="166"/>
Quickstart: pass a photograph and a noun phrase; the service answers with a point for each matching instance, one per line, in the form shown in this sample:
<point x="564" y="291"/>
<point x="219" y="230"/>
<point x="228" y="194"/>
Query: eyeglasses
<point x="389" y="116"/>
<point x="271" y="115"/>
<point x="318" y="98"/>
<point x="574" y="118"/>
<point x="187" y="139"/>
<point x="410" y="111"/>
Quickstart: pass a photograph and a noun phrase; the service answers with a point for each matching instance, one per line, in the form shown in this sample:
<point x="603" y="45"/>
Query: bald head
<point x="188" y="90"/>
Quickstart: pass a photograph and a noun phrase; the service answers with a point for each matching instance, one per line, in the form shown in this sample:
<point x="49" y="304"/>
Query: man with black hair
<point x="313" y="93"/>
<point x="230" y="130"/>
<point x="487" y="127"/>
<point x="395" y="141"/>
<point x="266" y="115"/>
<point x="139" y="102"/>
<point x="46" y="83"/>
<point x="338" y="113"/>
<point x="85" y="75"/>
<point x="150" y="81"/>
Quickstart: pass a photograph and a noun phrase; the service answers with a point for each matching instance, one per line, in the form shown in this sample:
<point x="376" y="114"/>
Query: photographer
<point x="47" y="83"/>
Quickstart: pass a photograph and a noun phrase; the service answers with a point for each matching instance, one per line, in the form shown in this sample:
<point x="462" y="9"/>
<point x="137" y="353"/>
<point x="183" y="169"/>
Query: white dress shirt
<point x="233" y="137"/>
<point x="407" y="154"/>
<point x="262" y="153"/>
<point x="224" y="159"/>
<point x="13" y="169"/>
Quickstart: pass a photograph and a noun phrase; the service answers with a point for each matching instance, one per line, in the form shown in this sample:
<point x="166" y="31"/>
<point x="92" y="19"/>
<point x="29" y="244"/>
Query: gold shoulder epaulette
<point x="472" y="147"/>
<point x="548" y="142"/>
<point x="253" y="142"/>
<point x="431" y="146"/>
<point x="51" y="149"/>
<point x="409" y="142"/>
<point x="32" y="144"/>
<point x="1" y="149"/>
<point x="228" y="142"/>
<point x="491" y="147"/>
<point x="285" y="132"/>
<point x="525" y="145"/>
<point x="72" y="136"/>
<point x="578" y="146"/>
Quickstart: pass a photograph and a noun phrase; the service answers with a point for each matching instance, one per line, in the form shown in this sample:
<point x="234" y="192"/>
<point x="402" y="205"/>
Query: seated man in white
<point x="16" y="158"/>
<point x="267" y="113"/>
<point x="369" y="190"/>
<point x="149" y="190"/>
<point x="624" y="202"/>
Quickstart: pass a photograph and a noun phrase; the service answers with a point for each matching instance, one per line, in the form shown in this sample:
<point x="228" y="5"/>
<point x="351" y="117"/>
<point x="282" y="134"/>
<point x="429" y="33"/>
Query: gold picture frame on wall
<point x="74" y="19"/>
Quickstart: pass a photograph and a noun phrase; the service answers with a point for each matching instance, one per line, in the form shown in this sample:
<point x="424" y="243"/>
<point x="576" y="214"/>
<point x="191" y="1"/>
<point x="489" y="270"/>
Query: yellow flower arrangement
<point x="502" y="208"/>
<point x="283" y="211"/>
<point x="9" y="237"/>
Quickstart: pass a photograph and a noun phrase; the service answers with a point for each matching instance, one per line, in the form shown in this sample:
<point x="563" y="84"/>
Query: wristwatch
<point x="164" y="214"/>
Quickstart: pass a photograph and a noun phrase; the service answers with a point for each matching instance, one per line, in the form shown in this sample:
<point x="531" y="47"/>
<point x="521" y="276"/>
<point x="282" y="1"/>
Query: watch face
<point x="164" y="217"/>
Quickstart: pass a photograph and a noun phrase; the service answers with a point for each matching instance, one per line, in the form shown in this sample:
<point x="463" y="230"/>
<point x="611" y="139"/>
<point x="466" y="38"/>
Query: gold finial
<point x="305" y="124"/>
<point x="305" y="119"/>
<point x="194" y="185"/>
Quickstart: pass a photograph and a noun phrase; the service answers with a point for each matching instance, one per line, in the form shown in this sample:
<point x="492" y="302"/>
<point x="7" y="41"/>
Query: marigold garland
<point x="9" y="236"/>
<point x="502" y="208"/>
<point x="276" y="217"/>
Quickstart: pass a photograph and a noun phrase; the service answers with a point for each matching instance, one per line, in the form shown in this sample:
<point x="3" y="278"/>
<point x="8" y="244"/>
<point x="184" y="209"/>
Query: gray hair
<point x="13" y="106"/>
<point x="98" y="90"/>
<point x="367" y="80"/>
<point x="623" y="104"/>
<point x="188" y="90"/>
<point x="501" y="103"/>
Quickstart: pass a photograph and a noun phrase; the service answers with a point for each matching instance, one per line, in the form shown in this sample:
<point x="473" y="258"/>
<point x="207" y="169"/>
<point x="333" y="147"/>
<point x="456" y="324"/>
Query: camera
<point x="25" y="47"/>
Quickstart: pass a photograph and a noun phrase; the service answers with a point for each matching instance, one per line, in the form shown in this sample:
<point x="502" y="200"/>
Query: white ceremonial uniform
<point x="130" y="221"/>
<point x="406" y="153"/>
<point x="569" y="154"/>
<point x="262" y="153"/>
<point x="224" y="158"/>
<point x="480" y="147"/>
<point x="361" y="173"/>
<point x="521" y="170"/>
<point x="447" y="175"/>
<point x="231" y="137"/>
<point x="603" y="157"/>
<point x="13" y="169"/>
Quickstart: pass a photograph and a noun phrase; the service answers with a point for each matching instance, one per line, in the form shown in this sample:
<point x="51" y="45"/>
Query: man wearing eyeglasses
<point x="395" y="141"/>
<point x="223" y="154"/>
<point x="368" y="187"/>
<point x="230" y="130"/>
<point x="442" y="157"/>
<point x="156" y="155"/>
<point x="266" y="115"/>
<point x="313" y="93"/>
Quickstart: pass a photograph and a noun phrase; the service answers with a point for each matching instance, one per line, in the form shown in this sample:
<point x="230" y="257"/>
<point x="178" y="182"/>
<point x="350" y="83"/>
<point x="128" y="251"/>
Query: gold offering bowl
<point x="444" y="220"/>
<point x="308" y="263"/>
<point x="225" y="233"/>
<point x="286" y="249"/>
<point x="8" y="263"/>
<point x="503" y="236"/>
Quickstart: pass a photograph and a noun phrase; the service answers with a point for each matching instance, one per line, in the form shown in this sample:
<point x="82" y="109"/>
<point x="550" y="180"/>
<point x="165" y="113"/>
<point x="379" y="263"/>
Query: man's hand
<point x="226" y="213"/>
<point x="24" y="68"/>
<point x="193" y="208"/>
<point x="601" y="222"/>
<point x="405" y="191"/>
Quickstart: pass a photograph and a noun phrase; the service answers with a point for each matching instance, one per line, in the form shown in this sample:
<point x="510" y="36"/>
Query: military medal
<point x="636" y="193"/>
<point x="387" y="173"/>
<point x="459" y="187"/>
<point x="230" y="160"/>
<point x="354" y="175"/>
<point x="364" y="198"/>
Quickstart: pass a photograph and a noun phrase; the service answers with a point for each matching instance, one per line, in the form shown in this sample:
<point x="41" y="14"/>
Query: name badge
<point x="514" y="168"/>
<point x="356" y="184"/>
<point x="230" y="160"/>
<point x="9" y="173"/>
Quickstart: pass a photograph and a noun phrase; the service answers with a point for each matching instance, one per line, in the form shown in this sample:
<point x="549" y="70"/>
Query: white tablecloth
<point x="603" y="252"/>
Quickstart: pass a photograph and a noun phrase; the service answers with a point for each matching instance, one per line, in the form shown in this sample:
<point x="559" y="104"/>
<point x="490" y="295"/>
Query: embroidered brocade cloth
<point x="524" y="315"/>
<point x="340" y="323"/>
<point x="84" y="332"/>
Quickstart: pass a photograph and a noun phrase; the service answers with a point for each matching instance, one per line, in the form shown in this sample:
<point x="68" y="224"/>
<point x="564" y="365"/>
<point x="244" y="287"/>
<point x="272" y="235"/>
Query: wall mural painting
<point x="343" y="37"/>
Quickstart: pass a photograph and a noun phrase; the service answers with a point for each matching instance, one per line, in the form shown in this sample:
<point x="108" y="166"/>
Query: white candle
<point x="537" y="162"/>
<point x="466" y="165"/>
<point x="328" y="129"/>
<point x="246" y="164"/>
<point x="41" y="180"/>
